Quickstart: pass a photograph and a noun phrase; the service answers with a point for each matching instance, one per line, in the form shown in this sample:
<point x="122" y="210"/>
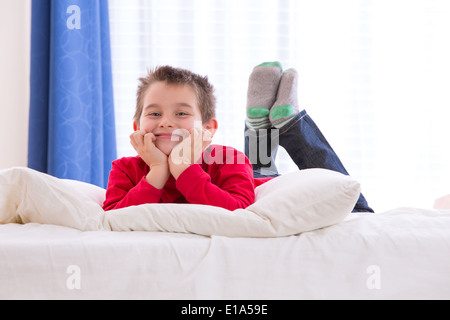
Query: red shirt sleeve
<point x="127" y="185"/>
<point x="228" y="184"/>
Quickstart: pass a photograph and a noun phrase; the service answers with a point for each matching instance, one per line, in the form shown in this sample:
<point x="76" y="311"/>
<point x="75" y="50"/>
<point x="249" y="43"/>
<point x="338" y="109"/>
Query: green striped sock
<point x="286" y="104"/>
<point x="262" y="91"/>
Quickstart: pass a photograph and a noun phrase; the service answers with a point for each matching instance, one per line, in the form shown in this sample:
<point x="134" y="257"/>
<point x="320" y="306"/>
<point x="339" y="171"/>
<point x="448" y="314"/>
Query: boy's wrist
<point x="160" y="166"/>
<point x="158" y="175"/>
<point x="177" y="169"/>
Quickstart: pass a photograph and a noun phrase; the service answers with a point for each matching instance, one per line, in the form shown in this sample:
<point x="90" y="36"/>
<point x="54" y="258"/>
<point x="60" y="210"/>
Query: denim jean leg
<point x="261" y="148"/>
<point x="308" y="148"/>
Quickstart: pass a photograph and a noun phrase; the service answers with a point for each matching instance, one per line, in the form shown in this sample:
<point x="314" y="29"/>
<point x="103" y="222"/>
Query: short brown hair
<point x="201" y="86"/>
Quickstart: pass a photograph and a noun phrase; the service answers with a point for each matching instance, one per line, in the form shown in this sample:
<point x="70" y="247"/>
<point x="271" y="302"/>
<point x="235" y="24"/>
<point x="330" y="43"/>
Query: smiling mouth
<point x="168" y="136"/>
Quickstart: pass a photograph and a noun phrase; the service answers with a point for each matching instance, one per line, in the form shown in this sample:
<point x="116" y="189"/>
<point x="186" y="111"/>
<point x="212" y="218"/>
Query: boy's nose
<point x="166" y="121"/>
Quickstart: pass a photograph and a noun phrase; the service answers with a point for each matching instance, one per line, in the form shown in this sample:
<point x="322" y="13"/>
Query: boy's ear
<point x="211" y="126"/>
<point x="135" y="126"/>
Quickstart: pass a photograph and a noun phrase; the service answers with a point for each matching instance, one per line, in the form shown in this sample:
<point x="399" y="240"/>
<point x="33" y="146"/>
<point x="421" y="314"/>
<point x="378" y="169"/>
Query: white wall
<point x="15" y="22"/>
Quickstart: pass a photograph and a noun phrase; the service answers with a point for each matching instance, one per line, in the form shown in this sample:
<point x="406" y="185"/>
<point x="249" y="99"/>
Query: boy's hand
<point x="189" y="151"/>
<point x="144" y="145"/>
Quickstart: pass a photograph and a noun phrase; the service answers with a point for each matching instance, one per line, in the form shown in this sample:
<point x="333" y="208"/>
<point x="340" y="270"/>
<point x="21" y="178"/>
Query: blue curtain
<point x="72" y="126"/>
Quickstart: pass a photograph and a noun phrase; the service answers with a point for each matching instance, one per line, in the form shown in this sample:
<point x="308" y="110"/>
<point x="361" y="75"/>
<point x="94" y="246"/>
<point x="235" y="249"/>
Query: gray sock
<point x="261" y="94"/>
<point x="286" y="104"/>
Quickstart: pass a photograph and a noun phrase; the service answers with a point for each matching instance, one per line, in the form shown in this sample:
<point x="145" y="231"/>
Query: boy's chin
<point x="166" y="146"/>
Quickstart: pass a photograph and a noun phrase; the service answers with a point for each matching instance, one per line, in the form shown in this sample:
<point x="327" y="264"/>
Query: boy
<point x="171" y="167"/>
<point x="174" y="162"/>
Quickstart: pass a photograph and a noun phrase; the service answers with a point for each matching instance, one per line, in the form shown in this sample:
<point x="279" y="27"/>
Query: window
<point x="374" y="75"/>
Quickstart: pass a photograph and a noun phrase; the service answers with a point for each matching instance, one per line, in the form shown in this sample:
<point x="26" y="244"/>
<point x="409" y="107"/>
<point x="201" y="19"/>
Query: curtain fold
<point x="72" y="125"/>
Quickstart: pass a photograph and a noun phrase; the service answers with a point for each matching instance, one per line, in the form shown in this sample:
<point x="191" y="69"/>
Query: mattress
<point x="399" y="254"/>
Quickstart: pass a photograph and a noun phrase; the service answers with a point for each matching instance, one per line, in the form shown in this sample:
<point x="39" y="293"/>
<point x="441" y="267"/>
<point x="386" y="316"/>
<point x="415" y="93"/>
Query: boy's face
<point x="168" y="107"/>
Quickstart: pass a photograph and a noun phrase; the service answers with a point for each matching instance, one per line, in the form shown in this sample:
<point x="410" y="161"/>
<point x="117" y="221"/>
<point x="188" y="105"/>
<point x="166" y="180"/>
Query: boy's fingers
<point x="136" y="139"/>
<point x="180" y="134"/>
<point x="137" y="135"/>
<point x="149" y="138"/>
<point x="190" y="150"/>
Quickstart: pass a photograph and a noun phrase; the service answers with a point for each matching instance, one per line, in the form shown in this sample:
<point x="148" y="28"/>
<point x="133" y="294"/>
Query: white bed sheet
<point x="400" y="254"/>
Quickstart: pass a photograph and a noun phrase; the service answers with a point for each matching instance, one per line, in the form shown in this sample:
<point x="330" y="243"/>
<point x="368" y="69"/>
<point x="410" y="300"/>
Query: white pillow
<point x="307" y="199"/>
<point x="290" y="204"/>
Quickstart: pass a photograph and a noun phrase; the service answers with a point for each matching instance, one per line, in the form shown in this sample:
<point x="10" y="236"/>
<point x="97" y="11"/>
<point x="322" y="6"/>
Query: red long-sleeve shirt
<point x="224" y="178"/>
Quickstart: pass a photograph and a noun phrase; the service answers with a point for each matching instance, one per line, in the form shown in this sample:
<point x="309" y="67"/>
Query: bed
<point x="55" y="243"/>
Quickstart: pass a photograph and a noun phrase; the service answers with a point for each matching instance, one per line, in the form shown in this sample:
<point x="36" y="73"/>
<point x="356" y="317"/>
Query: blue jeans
<point x="304" y="143"/>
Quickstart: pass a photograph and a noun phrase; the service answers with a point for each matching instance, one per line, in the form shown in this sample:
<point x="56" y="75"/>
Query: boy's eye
<point x="153" y="114"/>
<point x="182" y="114"/>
